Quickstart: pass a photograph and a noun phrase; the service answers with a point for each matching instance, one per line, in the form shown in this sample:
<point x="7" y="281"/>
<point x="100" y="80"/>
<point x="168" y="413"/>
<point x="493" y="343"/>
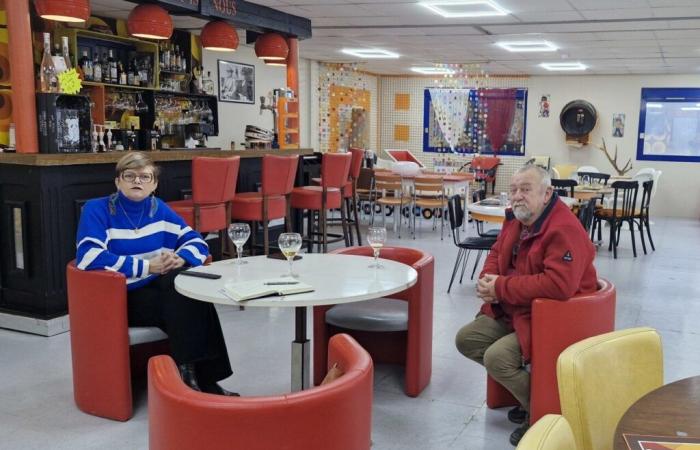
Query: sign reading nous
<point x="222" y="9"/>
<point x="189" y="5"/>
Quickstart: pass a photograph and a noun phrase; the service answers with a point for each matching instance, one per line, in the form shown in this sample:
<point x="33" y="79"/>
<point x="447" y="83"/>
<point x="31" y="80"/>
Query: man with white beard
<point x="542" y="251"/>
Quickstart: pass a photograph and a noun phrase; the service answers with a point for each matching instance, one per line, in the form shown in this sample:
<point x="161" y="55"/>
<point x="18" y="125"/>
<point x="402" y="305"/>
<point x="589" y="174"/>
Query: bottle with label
<point x="97" y="69"/>
<point x="113" y="69"/>
<point x="173" y="60"/>
<point x="65" y="52"/>
<point x="208" y="84"/>
<point x="183" y="62"/>
<point x="86" y="66"/>
<point x="106" y="72"/>
<point x="166" y="57"/>
<point x="122" y="73"/>
<point x="48" y="78"/>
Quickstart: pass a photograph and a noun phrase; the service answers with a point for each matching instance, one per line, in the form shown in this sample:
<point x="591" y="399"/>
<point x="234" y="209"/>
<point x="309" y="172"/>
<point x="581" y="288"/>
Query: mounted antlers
<point x="613" y="160"/>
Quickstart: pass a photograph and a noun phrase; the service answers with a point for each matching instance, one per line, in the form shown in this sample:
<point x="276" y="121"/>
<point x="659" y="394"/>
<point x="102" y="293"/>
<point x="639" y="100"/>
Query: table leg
<point x="301" y="352"/>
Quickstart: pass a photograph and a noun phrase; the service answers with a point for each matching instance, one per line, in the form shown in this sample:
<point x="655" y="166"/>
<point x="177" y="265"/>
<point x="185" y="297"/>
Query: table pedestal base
<point x="301" y="353"/>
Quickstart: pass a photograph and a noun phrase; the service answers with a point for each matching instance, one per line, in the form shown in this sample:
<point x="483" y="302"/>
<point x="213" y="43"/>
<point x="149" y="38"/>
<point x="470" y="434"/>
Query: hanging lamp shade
<point x="219" y="36"/>
<point x="275" y="62"/>
<point x="271" y="46"/>
<point x="63" y="10"/>
<point x="150" y="22"/>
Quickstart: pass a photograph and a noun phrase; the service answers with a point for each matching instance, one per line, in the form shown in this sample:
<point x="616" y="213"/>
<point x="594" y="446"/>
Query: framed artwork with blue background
<point x="467" y="121"/>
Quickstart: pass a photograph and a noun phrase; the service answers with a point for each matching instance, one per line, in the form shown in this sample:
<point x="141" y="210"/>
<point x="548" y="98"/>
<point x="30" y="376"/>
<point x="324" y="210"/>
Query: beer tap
<point x="272" y="97"/>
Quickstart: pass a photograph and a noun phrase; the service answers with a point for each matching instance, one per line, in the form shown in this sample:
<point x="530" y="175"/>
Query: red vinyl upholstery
<point x="103" y="361"/>
<point x="403" y="155"/>
<point x="278" y="175"/>
<point x="213" y="188"/>
<point x="555" y="326"/>
<point x="337" y="415"/>
<point x="412" y="348"/>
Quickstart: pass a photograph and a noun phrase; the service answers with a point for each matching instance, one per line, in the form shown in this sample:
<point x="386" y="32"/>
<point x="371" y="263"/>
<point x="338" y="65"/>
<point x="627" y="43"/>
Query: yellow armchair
<point x="551" y="432"/>
<point x="602" y="376"/>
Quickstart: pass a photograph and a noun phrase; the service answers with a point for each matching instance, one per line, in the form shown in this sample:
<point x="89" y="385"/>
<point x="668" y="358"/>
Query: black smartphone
<point x="282" y="257"/>
<point x="211" y="276"/>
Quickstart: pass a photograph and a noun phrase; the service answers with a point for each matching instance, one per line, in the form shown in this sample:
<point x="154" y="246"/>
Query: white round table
<point x="335" y="278"/>
<point x="496" y="213"/>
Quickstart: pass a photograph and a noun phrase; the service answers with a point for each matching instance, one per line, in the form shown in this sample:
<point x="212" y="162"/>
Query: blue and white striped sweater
<point x="109" y="241"/>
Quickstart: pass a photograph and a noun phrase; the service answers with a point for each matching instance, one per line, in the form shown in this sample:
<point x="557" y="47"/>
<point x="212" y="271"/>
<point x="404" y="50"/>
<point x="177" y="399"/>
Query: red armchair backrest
<point x="335" y="168"/>
<point x="356" y="162"/>
<point x="214" y="179"/>
<point x="336" y="416"/>
<point x="278" y="174"/>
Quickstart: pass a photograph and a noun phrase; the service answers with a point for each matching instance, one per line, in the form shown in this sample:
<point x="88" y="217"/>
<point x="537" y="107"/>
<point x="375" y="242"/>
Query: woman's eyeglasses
<point x="131" y="177"/>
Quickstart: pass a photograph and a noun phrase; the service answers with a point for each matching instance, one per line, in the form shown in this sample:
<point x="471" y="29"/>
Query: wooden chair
<point x="623" y="211"/>
<point x="429" y="193"/>
<point x="564" y="187"/>
<point x="388" y="191"/>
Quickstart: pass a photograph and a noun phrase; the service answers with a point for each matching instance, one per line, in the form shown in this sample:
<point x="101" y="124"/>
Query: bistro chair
<point x="586" y="214"/>
<point x="556" y="324"/>
<point x="623" y="211"/>
<point x="642" y="214"/>
<point x="564" y="187"/>
<point x="395" y="330"/>
<point x="429" y="193"/>
<point x="484" y="169"/>
<point x="551" y="432"/>
<point x="213" y="190"/>
<point x="600" y="377"/>
<point x="272" y="202"/>
<point x="478" y="196"/>
<point x="388" y="192"/>
<point x="594" y="178"/>
<point x="464" y="246"/>
<point x="336" y="415"/>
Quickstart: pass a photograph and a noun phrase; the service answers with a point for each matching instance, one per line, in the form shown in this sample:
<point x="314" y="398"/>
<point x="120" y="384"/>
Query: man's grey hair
<point x="543" y="174"/>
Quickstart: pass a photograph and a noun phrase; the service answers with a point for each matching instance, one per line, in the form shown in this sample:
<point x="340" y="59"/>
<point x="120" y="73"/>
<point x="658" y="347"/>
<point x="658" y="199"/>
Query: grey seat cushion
<point x="142" y="335"/>
<point x="380" y="314"/>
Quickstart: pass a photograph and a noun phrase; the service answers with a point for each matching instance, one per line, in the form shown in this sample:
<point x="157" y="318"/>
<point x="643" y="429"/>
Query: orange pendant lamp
<point x="219" y="36"/>
<point x="63" y="10"/>
<point x="271" y="46"/>
<point x="276" y="62"/>
<point x="150" y="22"/>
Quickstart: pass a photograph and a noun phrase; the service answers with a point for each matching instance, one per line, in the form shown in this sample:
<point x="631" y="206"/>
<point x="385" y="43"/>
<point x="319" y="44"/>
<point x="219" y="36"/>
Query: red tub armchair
<point x="401" y="330"/>
<point x="337" y="415"/>
<point x="555" y="326"/>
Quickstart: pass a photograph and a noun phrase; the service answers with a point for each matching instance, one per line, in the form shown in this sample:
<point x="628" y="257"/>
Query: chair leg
<point x="646" y="225"/>
<point x="324" y="231"/>
<point x="460" y="253"/>
<point x="613" y="240"/>
<point x="253" y="234"/>
<point x="344" y="225"/>
<point x="464" y="266"/>
<point x="356" y="213"/>
<point x="476" y="264"/>
<point x="348" y="218"/>
<point x="309" y="231"/>
<point x="641" y="233"/>
<point x="634" y="245"/>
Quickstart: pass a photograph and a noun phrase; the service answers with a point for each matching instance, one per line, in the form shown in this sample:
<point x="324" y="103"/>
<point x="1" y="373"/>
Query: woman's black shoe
<point x="188" y="376"/>
<point x="214" y="388"/>
<point x="517" y="415"/>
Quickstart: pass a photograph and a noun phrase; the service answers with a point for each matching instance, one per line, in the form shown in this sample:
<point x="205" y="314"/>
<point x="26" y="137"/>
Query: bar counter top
<point x="71" y="159"/>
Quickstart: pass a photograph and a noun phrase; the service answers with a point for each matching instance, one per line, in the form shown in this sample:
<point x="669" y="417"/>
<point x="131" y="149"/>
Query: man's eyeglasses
<point x="131" y="177"/>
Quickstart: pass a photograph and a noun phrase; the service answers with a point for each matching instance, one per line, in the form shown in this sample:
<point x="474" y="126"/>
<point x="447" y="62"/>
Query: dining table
<point x="334" y="278"/>
<point x="669" y="414"/>
<point x="494" y="211"/>
<point x="587" y="192"/>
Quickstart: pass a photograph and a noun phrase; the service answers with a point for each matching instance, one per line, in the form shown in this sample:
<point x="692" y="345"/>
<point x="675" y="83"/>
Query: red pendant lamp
<point x="271" y="46"/>
<point x="150" y="22"/>
<point x="63" y="10"/>
<point x="219" y="36"/>
<point x="276" y="62"/>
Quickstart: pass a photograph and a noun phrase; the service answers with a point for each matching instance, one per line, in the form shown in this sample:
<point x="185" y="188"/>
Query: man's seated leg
<point x="476" y="337"/>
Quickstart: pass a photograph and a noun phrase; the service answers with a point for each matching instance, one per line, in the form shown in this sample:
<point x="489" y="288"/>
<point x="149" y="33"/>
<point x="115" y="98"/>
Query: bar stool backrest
<point x="214" y="179"/>
<point x="278" y="174"/>
<point x="358" y="155"/>
<point x="335" y="168"/>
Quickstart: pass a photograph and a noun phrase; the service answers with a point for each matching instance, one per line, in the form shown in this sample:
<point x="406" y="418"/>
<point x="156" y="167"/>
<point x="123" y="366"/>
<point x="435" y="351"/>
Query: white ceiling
<point x="609" y="36"/>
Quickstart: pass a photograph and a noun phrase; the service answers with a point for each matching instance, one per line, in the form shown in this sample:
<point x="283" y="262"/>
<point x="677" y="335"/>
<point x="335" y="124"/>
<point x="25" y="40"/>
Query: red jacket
<point x="555" y="261"/>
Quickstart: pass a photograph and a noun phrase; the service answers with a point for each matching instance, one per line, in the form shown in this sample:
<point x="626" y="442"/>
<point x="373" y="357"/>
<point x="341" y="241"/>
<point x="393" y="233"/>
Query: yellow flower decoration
<point x="70" y="82"/>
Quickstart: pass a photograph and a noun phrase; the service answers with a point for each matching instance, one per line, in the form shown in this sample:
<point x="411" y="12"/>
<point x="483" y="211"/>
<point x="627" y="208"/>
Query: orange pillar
<point x="22" y="75"/>
<point x="293" y="65"/>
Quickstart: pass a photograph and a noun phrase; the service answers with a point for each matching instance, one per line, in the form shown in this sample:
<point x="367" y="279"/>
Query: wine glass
<point x="586" y="180"/>
<point x="376" y="236"/>
<point x="290" y="243"/>
<point x="239" y="234"/>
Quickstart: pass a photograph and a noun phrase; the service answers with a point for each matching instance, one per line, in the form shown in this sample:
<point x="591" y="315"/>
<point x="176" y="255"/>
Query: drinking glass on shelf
<point x="586" y="180"/>
<point x="290" y="243"/>
<point x="376" y="237"/>
<point x="239" y="234"/>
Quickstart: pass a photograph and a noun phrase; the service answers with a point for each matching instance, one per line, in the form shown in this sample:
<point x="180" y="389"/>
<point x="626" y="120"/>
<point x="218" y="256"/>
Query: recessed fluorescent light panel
<point x="433" y="70"/>
<point x="655" y="105"/>
<point x="465" y="8"/>
<point x="528" y="46"/>
<point x="566" y="66"/>
<point x="370" y="53"/>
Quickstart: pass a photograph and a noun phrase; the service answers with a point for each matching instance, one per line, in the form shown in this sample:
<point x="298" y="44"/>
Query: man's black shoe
<point x="214" y="388"/>
<point x="517" y="414"/>
<point x="188" y="375"/>
<point x="519" y="432"/>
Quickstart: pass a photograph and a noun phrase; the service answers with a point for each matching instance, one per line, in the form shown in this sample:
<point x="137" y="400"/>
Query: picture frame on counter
<point x="236" y="82"/>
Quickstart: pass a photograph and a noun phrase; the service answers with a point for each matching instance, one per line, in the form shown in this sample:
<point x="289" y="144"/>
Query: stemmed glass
<point x="239" y="234"/>
<point x="290" y="243"/>
<point x="376" y="236"/>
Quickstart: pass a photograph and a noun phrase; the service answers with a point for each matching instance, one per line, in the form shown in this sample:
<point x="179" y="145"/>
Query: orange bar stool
<point x="335" y="169"/>
<point x="278" y="174"/>
<point x="213" y="190"/>
<point x="350" y="193"/>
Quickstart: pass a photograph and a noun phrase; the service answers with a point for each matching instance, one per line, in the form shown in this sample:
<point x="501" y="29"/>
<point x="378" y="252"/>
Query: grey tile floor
<point x="658" y="290"/>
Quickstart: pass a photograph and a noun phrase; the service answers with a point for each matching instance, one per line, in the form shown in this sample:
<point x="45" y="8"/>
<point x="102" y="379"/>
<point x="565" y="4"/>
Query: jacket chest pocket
<point x="531" y="259"/>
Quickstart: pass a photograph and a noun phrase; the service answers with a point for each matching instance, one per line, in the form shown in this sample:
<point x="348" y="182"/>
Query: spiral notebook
<point x="270" y="287"/>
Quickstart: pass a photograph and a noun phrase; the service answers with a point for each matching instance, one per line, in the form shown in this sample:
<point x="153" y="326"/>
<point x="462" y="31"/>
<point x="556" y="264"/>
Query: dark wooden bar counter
<point x="41" y="197"/>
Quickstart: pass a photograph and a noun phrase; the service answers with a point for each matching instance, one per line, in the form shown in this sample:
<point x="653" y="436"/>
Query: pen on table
<point x="278" y="283"/>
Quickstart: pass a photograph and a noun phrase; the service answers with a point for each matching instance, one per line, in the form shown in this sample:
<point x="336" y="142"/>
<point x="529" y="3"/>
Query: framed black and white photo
<point x="236" y="82"/>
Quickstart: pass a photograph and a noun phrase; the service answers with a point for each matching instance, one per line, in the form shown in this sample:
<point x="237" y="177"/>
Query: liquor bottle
<point x="86" y="66"/>
<point x="130" y="74"/>
<point x="113" y="70"/>
<point x="122" y="73"/>
<point x="166" y="56"/>
<point x="97" y="68"/>
<point x="106" y="73"/>
<point x="183" y="62"/>
<point x="136" y="75"/>
<point x="48" y="79"/>
<point x="209" y="84"/>
<point x="173" y="60"/>
<point x="193" y="82"/>
<point x="66" y="52"/>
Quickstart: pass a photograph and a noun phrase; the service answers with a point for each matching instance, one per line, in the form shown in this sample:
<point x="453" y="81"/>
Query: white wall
<point x="679" y="184"/>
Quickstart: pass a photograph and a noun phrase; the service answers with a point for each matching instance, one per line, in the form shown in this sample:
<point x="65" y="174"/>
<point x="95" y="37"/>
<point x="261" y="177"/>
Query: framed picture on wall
<point x="236" y="82"/>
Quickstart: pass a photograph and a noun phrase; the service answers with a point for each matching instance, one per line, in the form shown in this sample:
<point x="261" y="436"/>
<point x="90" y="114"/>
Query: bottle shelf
<point x="123" y="86"/>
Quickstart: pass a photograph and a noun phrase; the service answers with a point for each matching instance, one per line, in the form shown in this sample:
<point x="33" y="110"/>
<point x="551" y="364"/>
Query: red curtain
<point x="500" y="104"/>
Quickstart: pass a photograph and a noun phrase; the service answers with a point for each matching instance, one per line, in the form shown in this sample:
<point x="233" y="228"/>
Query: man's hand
<point x="486" y="288"/>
